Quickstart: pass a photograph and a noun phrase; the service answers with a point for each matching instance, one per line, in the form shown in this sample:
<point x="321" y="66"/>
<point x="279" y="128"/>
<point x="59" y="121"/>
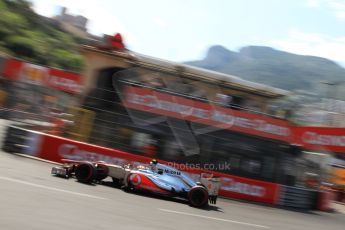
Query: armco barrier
<point x="19" y="140"/>
<point x="15" y="139"/>
<point x="298" y="198"/>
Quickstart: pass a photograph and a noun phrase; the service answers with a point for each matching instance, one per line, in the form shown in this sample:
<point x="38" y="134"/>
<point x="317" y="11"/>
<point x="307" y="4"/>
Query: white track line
<point x="36" y="158"/>
<point x="50" y="188"/>
<point x="214" y="218"/>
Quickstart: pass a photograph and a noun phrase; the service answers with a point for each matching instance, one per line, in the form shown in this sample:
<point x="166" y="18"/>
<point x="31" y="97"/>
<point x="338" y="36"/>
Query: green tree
<point x="26" y="35"/>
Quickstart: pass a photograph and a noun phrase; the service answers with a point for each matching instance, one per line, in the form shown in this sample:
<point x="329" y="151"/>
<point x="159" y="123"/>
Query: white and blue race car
<point x="154" y="178"/>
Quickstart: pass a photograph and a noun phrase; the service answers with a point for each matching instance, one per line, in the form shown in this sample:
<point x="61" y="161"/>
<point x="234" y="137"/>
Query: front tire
<point x="85" y="172"/>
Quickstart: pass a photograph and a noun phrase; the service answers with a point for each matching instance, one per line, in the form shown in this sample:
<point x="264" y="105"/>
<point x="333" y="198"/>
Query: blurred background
<point x="238" y="107"/>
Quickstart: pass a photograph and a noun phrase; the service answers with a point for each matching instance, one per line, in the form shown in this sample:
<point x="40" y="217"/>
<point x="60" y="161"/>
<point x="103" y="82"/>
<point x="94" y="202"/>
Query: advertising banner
<point x="320" y="138"/>
<point x="55" y="148"/>
<point x="196" y="111"/>
<point x="65" y="81"/>
<point x="248" y="189"/>
<point x="40" y="75"/>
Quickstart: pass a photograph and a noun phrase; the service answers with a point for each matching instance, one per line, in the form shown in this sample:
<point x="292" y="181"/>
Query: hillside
<point x="34" y="38"/>
<point x="273" y="67"/>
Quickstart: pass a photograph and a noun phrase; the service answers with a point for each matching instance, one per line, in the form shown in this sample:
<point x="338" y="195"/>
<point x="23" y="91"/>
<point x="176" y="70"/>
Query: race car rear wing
<point x="212" y="185"/>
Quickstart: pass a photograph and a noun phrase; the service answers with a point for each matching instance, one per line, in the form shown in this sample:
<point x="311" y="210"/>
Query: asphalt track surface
<point x="30" y="198"/>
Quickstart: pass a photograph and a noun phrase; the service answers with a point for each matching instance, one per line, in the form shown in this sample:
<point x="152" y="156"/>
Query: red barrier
<point x="248" y="189"/>
<point x="56" y="148"/>
<point x="325" y="201"/>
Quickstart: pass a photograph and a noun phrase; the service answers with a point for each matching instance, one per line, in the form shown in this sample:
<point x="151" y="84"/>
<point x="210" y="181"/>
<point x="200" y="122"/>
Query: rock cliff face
<point x="273" y="67"/>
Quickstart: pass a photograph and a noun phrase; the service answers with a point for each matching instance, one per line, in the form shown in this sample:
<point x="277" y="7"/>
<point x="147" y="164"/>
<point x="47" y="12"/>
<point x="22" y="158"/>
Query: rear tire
<point x="198" y="196"/>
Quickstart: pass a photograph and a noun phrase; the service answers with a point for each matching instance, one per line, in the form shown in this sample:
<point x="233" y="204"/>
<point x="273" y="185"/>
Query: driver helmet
<point x="153" y="165"/>
<point x="154" y="161"/>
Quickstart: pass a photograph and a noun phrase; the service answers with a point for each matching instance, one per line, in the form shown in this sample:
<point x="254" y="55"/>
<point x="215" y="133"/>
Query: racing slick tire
<point x="85" y="172"/>
<point x="198" y="196"/>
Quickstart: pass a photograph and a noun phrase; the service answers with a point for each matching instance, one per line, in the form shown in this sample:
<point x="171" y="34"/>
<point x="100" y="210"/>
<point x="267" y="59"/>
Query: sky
<point x="183" y="30"/>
